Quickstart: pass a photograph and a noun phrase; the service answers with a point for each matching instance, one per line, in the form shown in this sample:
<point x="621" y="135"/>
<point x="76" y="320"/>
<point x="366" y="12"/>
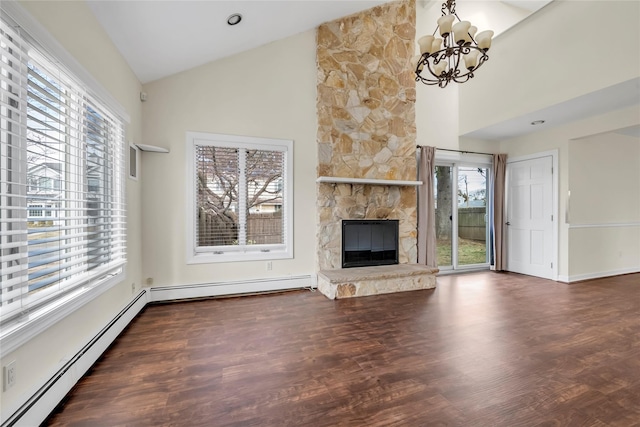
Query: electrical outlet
<point x="9" y="375"/>
<point x="269" y="265"/>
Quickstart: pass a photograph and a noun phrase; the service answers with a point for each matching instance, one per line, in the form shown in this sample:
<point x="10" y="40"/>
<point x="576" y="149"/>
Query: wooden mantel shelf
<point x="371" y="181"/>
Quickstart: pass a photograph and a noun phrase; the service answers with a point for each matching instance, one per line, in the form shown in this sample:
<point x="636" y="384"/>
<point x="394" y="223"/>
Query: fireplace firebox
<point x="369" y="242"/>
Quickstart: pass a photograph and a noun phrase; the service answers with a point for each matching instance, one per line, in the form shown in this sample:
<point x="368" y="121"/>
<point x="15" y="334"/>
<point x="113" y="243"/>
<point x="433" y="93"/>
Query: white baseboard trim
<point x="605" y="225"/>
<point x="203" y="290"/>
<point x="599" y="275"/>
<point x="44" y="400"/>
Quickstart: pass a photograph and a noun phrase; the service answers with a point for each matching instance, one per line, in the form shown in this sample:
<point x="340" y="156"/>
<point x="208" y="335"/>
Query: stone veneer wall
<point x="366" y="124"/>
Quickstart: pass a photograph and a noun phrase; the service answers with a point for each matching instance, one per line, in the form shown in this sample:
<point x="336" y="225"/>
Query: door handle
<point x="508" y="223"/>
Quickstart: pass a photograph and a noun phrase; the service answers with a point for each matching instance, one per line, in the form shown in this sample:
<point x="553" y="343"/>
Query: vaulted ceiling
<point x="163" y="37"/>
<point x="160" y="38"/>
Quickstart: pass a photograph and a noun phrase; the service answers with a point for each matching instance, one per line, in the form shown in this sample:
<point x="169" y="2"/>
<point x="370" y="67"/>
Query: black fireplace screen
<point x="369" y="242"/>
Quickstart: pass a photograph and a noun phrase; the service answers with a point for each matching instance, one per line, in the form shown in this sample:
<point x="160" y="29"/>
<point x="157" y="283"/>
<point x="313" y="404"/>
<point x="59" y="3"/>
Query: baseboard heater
<point x="40" y="405"/>
<point x="213" y="289"/>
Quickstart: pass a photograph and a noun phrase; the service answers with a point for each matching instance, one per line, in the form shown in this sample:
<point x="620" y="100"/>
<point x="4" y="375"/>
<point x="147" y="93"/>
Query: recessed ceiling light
<point x="234" y="19"/>
<point x="537" y="122"/>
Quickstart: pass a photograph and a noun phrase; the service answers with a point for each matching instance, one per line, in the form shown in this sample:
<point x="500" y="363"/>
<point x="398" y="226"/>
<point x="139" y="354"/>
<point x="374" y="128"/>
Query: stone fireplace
<point x="366" y="137"/>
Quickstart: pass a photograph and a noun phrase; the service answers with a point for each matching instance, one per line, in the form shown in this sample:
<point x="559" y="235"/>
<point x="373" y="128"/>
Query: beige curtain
<point x="499" y="226"/>
<point x="426" y="207"/>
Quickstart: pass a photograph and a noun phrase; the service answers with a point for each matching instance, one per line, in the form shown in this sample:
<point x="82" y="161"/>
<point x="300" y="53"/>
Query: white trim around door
<point x="553" y="271"/>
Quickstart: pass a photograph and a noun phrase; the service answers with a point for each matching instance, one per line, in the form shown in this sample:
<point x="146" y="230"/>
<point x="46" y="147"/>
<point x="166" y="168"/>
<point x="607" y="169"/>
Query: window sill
<point x="209" y="257"/>
<point x="16" y="334"/>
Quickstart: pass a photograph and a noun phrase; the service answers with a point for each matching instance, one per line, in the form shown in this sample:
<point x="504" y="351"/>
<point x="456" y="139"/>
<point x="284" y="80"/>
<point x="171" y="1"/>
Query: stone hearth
<point x="365" y="281"/>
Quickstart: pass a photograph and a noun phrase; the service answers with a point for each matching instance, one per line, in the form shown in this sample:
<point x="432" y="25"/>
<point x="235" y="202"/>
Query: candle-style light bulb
<point x="471" y="60"/>
<point x="470" y="34"/>
<point x="437" y="45"/>
<point x="483" y="40"/>
<point x="426" y="44"/>
<point x="444" y="24"/>
<point x="461" y="32"/>
<point x="439" y="68"/>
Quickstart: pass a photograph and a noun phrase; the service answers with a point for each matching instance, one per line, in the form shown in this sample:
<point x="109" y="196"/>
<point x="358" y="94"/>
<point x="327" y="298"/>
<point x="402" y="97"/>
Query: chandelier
<point x="456" y="55"/>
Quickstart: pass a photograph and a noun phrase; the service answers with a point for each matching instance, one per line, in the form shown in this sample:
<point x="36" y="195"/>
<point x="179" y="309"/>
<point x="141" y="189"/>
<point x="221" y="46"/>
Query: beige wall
<point x="604" y="211"/>
<point x="604" y="179"/>
<point x="575" y="59"/>
<point x="75" y="27"/>
<point x="267" y="92"/>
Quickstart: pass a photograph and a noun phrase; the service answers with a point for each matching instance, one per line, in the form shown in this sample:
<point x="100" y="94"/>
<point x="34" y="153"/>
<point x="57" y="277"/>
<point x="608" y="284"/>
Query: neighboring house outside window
<point x="239" y="198"/>
<point x="62" y="190"/>
<point x="44" y="192"/>
<point x="36" y="211"/>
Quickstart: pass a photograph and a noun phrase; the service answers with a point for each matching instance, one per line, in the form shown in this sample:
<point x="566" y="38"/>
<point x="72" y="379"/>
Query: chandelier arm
<point x="436" y="60"/>
<point x="446" y="41"/>
<point x="463" y="78"/>
<point x="456" y="59"/>
<point x="427" y="81"/>
<point x="438" y="57"/>
<point x="483" y="58"/>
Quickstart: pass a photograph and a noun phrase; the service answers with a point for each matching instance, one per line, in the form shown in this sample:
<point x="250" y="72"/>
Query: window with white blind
<point x="239" y="198"/>
<point x="62" y="204"/>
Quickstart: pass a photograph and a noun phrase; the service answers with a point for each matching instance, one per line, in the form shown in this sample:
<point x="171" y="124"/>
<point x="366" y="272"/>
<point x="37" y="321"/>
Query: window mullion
<point x="74" y="186"/>
<point x="242" y="197"/>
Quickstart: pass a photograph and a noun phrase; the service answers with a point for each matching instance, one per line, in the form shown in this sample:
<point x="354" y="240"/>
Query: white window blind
<point x="62" y="205"/>
<point x="241" y="195"/>
<point x="218" y="192"/>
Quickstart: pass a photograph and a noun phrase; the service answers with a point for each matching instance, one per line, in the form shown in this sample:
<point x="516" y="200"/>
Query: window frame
<point x="215" y="254"/>
<point x="18" y="330"/>
<point x="456" y="160"/>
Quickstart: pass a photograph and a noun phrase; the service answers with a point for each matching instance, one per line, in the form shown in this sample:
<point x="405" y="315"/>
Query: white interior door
<point x="530" y="217"/>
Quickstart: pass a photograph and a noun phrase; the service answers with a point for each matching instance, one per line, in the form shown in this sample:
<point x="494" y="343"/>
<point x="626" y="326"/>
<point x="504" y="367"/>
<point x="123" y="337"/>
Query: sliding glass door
<point x="462" y="226"/>
<point x="444" y="215"/>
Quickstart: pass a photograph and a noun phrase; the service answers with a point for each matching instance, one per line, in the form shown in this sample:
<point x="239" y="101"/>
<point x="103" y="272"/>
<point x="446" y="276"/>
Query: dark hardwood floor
<point x="483" y="349"/>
